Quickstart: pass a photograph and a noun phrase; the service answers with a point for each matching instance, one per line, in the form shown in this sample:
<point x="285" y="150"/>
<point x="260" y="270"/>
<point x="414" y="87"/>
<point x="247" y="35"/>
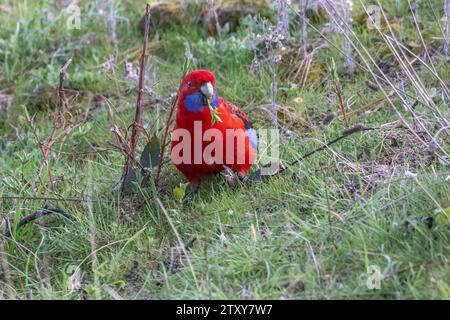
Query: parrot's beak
<point x="207" y="90"/>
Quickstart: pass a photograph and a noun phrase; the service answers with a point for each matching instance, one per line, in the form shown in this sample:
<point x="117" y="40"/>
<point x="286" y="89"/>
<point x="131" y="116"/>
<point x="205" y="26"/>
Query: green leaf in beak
<point x="214" y="115"/>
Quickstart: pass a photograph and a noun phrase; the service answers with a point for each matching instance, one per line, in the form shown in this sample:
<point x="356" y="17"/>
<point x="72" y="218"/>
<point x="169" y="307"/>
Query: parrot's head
<point x="198" y="91"/>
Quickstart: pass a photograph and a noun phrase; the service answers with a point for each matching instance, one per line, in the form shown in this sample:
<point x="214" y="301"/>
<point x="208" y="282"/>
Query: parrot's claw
<point x="189" y="195"/>
<point x="229" y="175"/>
<point x="242" y="177"/>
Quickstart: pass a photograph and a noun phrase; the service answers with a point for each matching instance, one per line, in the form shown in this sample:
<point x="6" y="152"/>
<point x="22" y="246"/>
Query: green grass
<point x="305" y="234"/>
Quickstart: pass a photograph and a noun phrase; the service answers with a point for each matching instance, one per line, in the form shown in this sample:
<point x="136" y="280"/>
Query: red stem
<point x="341" y="102"/>
<point x="138" y="114"/>
<point x="163" y="146"/>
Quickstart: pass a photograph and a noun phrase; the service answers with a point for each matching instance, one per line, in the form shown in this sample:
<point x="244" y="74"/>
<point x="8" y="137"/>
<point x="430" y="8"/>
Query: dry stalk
<point x="130" y="157"/>
<point x="59" y="122"/>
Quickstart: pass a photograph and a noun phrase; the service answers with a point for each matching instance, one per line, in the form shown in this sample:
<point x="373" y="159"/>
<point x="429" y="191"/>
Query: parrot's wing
<point x="235" y="111"/>
<point x="238" y="113"/>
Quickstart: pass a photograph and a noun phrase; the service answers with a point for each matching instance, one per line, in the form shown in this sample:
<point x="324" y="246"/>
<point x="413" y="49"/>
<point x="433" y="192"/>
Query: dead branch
<point x="138" y="114"/>
<point x="348" y="132"/>
<point x="59" y="121"/>
<point x="36" y="215"/>
<point x="17" y="197"/>
<point x="164" y="144"/>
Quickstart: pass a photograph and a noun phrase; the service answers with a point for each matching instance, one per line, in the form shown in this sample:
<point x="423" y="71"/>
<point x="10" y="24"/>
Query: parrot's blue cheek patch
<point x="195" y="102"/>
<point x="252" y="137"/>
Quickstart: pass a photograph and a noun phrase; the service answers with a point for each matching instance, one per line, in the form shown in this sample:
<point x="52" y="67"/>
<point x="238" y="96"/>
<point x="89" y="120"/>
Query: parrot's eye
<point x="189" y="84"/>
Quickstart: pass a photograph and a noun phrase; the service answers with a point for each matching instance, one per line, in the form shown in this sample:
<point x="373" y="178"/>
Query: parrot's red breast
<point x="202" y="139"/>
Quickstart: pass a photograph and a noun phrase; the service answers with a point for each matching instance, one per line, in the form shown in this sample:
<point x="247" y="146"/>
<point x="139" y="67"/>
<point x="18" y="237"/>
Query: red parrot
<point x="211" y="135"/>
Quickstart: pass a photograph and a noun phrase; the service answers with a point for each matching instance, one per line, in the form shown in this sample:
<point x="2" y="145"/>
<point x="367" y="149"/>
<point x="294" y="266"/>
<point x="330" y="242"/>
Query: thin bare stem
<point x="36" y="215"/>
<point x="164" y="144"/>
<point x="348" y="132"/>
<point x="341" y="103"/>
<point x="59" y="121"/>
<point x="138" y="114"/>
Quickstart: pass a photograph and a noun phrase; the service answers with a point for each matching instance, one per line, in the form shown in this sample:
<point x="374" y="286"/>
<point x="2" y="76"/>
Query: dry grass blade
<point x="180" y="242"/>
<point x="366" y="57"/>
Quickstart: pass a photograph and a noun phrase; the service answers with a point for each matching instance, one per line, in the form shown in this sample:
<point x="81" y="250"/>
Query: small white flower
<point x="408" y="174"/>
<point x="222" y="237"/>
<point x="276" y="58"/>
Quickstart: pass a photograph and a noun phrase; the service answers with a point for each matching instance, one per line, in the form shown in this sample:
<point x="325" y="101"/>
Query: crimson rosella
<point x="211" y="135"/>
